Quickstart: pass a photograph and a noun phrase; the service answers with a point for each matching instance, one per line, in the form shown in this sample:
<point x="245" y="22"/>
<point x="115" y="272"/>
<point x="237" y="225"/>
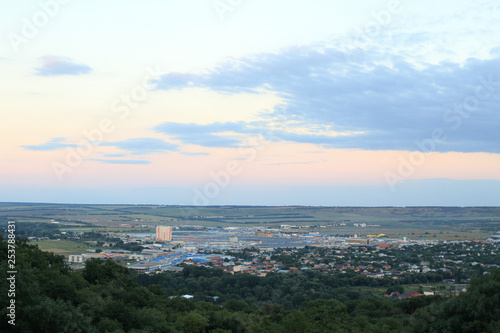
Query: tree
<point x="236" y="305"/>
<point x="99" y="271"/>
<point x="328" y="315"/>
<point x="396" y="288"/>
<point x="194" y="322"/>
<point x="477" y="310"/>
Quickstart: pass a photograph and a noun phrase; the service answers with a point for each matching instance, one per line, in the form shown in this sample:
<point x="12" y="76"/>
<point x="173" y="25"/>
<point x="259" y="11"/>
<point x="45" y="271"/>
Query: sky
<point x="235" y="102"/>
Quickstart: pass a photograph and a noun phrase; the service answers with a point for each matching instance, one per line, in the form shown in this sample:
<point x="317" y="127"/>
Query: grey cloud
<point x="142" y="146"/>
<point x="208" y="135"/>
<point x="393" y="103"/>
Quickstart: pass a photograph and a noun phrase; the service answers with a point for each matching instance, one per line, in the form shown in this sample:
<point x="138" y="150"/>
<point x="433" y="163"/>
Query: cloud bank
<point x="380" y="102"/>
<point x="142" y="146"/>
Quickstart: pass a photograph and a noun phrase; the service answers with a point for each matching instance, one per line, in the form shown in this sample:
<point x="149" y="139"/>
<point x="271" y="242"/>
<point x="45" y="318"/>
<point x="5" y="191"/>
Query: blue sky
<point x="251" y="102"/>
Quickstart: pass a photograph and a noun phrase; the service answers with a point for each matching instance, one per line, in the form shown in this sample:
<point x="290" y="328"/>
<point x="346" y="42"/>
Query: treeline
<point x="33" y="229"/>
<point x="106" y="297"/>
<point x="288" y="290"/>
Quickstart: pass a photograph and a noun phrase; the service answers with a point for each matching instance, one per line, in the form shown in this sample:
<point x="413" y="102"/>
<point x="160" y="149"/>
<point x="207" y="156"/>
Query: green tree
<point x="477" y="310"/>
<point x="99" y="271"/>
<point x="193" y="322"/>
<point x="396" y="288"/>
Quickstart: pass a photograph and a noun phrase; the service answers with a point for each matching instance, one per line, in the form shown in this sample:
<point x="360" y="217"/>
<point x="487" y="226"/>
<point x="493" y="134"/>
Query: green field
<point x="449" y="223"/>
<point x="63" y="247"/>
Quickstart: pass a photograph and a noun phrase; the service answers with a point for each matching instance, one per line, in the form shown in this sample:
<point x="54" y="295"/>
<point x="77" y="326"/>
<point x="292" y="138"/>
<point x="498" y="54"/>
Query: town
<point x="257" y="269"/>
<point x="260" y="251"/>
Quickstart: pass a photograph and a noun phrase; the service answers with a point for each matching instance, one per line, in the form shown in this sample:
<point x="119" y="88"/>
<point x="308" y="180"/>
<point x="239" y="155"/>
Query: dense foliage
<point x="33" y="229"/>
<point x="288" y="290"/>
<point x="106" y="297"/>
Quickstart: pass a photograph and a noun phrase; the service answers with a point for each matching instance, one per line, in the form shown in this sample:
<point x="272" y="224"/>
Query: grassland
<point x="451" y="223"/>
<point x="62" y="247"/>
